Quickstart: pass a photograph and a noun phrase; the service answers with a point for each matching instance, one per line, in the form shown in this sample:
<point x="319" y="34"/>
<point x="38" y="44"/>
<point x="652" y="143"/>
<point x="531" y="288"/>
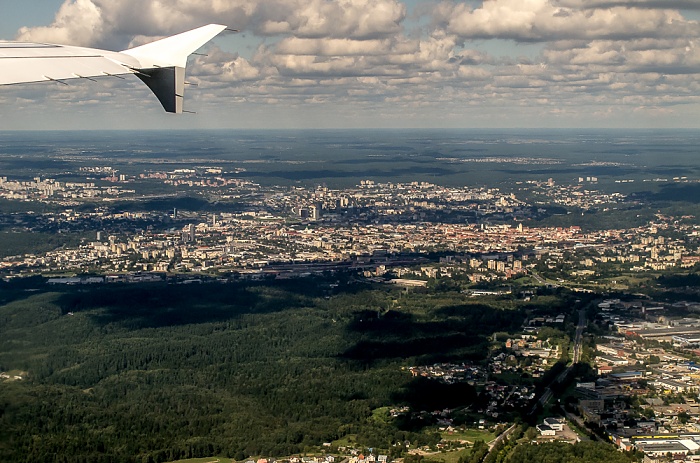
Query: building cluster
<point x="496" y="398"/>
<point x="577" y="196"/>
<point x="250" y="241"/>
<point x="485" y="228"/>
<point x="239" y="242"/>
<point x="348" y="455"/>
<point x="451" y="373"/>
<point x="500" y="399"/>
<point x="646" y="395"/>
<point x="60" y="193"/>
<point x="527" y="355"/>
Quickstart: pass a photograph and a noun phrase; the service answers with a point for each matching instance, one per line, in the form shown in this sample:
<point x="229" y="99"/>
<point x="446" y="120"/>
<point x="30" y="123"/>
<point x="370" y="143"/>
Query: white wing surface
<point x="160" y="65"/>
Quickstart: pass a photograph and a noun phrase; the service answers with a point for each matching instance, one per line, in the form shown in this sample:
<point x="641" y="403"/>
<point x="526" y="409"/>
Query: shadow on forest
<point x="600" y="171"/>
<point x="427" y="395"/>
<point x="152" y="305"/>
<point x="451" y="334"/>
<point x="324" y="174"/>
<point x="160" y="304"/>
<point x="457" y="333"/>
<point x="19" y="289"/>
<point x="680" y="287"/>
<point x="685" y="193"/>
<point x="186" y="203"/>
<point x="31" y="165"/>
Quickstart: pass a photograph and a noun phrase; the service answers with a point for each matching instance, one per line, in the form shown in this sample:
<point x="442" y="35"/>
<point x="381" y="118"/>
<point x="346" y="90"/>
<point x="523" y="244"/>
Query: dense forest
<point x="558" y="452"/>
<point x="164" y="371"/>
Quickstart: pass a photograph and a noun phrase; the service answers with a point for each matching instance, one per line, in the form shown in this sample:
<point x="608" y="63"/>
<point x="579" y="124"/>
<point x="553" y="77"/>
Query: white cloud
<point x="545" y="20"/>
<point x="332" y="47"/>
<point x="357" y="19"/>
<point x="373" y="58"/>
<point x="79" y="22"/>
<point x="669" y="56"/>
<point x="112" y="24"/>
<point x="656" y="4"/>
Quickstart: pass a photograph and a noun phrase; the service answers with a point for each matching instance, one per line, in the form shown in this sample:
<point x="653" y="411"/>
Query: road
<point x="579" y="422"/>
<point x="500" y="438"/>
<point x="578" y="342"/>
<point x="579" y="335"/>
<point x="538" y="278"/>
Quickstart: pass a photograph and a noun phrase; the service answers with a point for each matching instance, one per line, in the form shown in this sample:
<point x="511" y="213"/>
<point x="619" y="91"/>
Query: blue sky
<point x="378" y="63"/>
<point x="17" y="13"/>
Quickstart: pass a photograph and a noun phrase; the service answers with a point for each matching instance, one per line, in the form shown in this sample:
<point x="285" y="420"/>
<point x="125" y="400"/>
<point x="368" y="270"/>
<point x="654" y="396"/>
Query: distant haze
<point x="346" y="157"/>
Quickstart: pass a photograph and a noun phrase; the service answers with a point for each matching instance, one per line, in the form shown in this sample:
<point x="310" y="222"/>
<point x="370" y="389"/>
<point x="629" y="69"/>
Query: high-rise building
<point x="188" y="234"/>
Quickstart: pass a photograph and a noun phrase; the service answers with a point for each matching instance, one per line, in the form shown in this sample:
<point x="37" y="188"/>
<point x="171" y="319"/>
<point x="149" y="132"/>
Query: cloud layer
<point x="545" y="20"/>
<point x="439" y="63"/>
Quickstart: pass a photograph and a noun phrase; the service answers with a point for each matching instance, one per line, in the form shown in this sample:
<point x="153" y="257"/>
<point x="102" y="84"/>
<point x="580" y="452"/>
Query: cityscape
<point x="306" y="226"/>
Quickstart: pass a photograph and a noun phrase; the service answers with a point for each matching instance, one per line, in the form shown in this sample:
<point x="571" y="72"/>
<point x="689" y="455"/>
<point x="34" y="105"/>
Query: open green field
<point x="471" y="435"/>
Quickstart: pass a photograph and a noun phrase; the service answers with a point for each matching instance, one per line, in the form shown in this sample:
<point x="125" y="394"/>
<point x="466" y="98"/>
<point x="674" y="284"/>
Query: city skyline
<point x="358" y="64"/>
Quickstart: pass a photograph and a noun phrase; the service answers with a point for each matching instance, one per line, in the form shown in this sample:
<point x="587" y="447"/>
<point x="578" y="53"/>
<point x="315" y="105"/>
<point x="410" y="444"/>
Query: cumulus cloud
<point x="666" y="56"/>
<point x="380" y="57"/>
<point x="658" y="4"/>
<point x="79" y="22"/>
<point x="107" y="23"/>
<point x="545" y="20"/>
<point x="578" y="69"/>
<point x="332" y="47"/>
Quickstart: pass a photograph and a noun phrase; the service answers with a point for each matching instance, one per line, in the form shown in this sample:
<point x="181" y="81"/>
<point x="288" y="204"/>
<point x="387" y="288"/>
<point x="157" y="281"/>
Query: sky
<point x="376" y="64"/>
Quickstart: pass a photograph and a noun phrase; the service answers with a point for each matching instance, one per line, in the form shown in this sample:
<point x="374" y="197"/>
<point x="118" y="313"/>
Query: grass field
<point x="471" y="435"/>
<point x="349" y="440"/>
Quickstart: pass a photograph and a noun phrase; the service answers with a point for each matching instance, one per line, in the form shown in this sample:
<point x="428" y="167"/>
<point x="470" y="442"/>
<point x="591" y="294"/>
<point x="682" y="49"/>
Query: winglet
<point x="162" y="63"/>
<point x="173" y="51"/>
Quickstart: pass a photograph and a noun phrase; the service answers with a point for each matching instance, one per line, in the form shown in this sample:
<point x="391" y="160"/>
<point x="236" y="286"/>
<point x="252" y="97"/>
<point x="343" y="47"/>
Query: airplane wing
<point x="160" y="65"/>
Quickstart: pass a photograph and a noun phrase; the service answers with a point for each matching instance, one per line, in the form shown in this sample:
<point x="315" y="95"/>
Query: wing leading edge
<point x="160" y="64"/>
